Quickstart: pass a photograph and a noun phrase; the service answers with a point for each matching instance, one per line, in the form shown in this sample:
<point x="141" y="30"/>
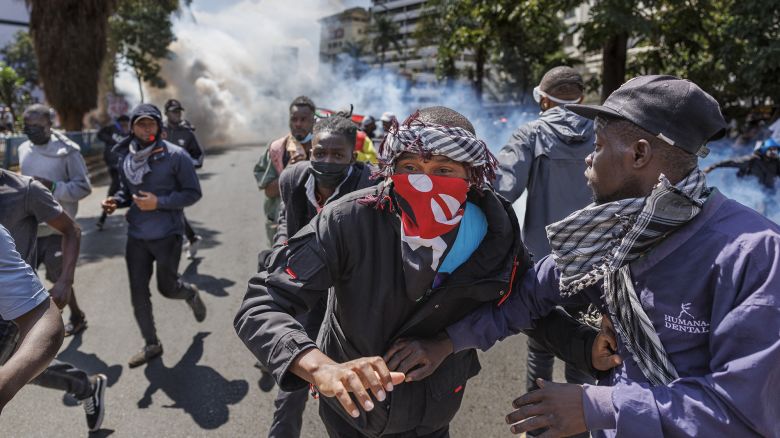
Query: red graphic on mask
<point x="436" y="201"/>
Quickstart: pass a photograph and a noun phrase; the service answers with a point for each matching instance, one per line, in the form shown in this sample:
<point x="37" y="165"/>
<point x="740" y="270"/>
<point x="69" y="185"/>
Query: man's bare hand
<point x="145" y="201"/>
<point x="356" y="376"/>
<point x="60" y="293"/>
<point x="604" y="351"/>
<point x="418" y="358"/>
<point x="109" y="205"/>
<point x="555" y="406"/>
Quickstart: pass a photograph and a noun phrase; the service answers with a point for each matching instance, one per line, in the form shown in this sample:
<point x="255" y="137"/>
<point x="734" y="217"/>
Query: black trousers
<point x="65" y="377"/>
<point x="188" y="231"/>
<point x="288" y="415"/>
<point x="140" y="256"/>
<point x="58" y="375"/>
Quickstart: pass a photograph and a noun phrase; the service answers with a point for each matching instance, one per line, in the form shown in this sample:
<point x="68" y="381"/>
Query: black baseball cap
<point x="675" y="110"/>
<point x="173" y="105"/>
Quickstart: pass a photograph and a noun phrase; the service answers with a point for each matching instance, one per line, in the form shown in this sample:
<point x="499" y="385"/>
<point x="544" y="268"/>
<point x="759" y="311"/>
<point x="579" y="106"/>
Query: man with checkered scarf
<point x="688" y="279"/>
<point x="403" y="259"/>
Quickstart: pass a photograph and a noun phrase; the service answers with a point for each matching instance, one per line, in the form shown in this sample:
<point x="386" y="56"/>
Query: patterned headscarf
<point x="428" y="139"/>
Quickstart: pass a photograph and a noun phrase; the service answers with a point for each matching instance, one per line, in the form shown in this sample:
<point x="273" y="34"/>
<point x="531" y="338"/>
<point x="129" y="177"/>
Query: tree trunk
<point x="479" y="72"/>
<point x="140" y="85"/>
<point x="71" y="120"/>
<point x="106" y="86"/>
<point x="613" y="64"/>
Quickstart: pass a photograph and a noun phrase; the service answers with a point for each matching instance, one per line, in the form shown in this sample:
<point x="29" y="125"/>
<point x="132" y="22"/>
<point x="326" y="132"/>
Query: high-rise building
<point x="344" y="32"/>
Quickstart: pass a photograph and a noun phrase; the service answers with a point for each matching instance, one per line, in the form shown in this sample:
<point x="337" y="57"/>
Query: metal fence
<point x="87" y="140"/>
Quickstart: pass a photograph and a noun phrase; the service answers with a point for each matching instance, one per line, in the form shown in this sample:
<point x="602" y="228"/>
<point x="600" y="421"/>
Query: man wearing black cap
<point x="158" y="182"/>
<point x="547" y="157"/>
<point x="181" y="133"/>
<point x="689" y="279"/>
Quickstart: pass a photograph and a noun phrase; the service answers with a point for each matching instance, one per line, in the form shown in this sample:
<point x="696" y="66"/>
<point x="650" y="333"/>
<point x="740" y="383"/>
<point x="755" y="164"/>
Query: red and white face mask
<point x="431" y="205"/>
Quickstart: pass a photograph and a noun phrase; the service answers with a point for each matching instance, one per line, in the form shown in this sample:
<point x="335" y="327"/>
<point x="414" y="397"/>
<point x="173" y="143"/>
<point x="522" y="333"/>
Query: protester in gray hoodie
<point x="56" y="162"/>
<point x="547" y="157"/>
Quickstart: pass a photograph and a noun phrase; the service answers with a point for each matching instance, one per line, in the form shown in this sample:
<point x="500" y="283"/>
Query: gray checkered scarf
<point x="600" y="241"/>
<point x="136" y="163"/>
<point x="429" y="139"/>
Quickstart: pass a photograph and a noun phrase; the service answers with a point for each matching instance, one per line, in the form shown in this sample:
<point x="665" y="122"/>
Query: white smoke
<point x="747" y="189"/>
<point x="236" y="70"/>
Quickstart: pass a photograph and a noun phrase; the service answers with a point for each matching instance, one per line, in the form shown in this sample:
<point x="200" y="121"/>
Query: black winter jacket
<point x="355" y="249"/>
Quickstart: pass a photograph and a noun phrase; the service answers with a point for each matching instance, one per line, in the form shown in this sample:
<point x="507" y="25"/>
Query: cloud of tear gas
<point x="237" y="69"/>
<point x="747" y="189"/>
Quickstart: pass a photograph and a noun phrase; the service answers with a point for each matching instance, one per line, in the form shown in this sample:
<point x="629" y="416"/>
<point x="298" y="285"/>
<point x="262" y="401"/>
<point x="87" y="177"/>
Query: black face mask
<point x="329" y="175"/>
<point x="37" y="134"/>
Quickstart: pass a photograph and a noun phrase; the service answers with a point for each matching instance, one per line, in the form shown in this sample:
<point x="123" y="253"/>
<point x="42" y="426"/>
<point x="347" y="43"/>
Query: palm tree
<point x="386" y="36"/>
<point x="70" y="43"/>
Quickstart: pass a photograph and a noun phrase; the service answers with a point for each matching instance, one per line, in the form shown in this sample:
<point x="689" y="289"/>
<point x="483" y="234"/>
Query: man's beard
<point x="629" y="188"/>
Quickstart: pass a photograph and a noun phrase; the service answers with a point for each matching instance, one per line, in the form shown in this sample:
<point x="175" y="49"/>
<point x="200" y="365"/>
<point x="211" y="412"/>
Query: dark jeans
<point x="65" y="377"/>
<point x="188" y="231"/>
<point x="288" y="416"/>
<point x="140" y="256"/>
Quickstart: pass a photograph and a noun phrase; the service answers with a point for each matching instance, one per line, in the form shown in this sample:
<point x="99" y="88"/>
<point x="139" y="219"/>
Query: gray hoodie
<point x="60" y="161"/>
<point x="547" y="157"/>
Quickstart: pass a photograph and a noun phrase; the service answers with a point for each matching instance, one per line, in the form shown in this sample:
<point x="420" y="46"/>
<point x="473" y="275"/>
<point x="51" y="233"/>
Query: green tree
<point x="611" y="24"/>
<point x="12" y="90"/>
<point x="730" y="48"/>
<point x="141" y="31"/>
<point x="70" y="45"/>
<point x="386" y="36"/>
<point x="518" y="39"/>
<point x="19" y="54"/>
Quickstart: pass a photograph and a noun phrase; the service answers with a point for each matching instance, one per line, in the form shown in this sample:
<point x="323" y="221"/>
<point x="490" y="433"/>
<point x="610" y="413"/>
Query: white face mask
<point x="538" y="94"/>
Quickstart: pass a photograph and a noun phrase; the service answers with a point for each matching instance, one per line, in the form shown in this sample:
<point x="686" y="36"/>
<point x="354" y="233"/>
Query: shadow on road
<point x="205" y="282"/>
<point x="109" y="243"/>
<point x="102" y="433"/>
<point x="88" y="362"/>
<point x="198" y="390"/>
<point x="99" y="245"/>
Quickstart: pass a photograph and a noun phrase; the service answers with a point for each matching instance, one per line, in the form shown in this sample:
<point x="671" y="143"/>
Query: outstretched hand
<point x="356" y="376"/>
<point x="418" y="358"/>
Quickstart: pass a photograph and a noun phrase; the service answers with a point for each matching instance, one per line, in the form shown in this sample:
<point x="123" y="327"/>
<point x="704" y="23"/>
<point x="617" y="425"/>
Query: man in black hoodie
<point x="306" y="187"/>
<point x="158" y="181"/>
<point x="402" y="259"/>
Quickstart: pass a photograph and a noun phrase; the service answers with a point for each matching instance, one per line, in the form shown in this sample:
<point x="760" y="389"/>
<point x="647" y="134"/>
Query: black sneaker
<point x="146" y="354"/>
<point x="95" y="404"/>
<point x="197" y="305"/>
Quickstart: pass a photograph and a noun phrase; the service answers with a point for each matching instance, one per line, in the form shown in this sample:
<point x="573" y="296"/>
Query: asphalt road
<point x="205" y="384"/>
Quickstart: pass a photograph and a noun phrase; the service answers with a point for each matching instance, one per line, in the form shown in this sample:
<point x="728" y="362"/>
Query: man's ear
<point x="544" y="103"/>
<point x="354" y="156"/>
<point x="642" y="153"/>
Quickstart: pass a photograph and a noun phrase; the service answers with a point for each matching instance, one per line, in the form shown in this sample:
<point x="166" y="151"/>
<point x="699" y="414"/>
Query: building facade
<point x="344" y="32"/>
